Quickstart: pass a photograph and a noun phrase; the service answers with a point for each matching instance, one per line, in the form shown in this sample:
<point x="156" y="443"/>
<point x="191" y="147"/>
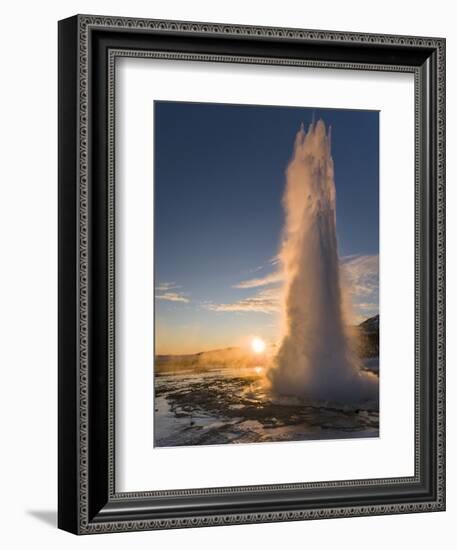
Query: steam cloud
<point x="315" y="359"/>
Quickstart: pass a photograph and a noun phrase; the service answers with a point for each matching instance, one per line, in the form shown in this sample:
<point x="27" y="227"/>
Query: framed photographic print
<point x="251" y="274"/>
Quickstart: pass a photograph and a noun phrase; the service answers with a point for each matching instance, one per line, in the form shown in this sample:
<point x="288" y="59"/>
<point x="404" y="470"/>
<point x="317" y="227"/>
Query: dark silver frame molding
<point x="88" y="48"/>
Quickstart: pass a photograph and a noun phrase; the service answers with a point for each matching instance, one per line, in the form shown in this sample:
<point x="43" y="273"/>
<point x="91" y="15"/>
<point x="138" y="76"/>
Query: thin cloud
<point x="361" y="274"/>
<point x="368" y="306"/>
<point x="265" y="301"/>
<point x="172" y="297"/>
<point x="271" y="278"/>
<point x="163" y="287"/>
<point x="274" y="260"/>
<point x="169" y="292"/>
<point x="256" y="269"/>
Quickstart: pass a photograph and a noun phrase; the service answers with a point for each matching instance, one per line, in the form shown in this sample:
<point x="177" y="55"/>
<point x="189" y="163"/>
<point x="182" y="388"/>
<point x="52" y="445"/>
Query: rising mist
<point x="315" y="359"/>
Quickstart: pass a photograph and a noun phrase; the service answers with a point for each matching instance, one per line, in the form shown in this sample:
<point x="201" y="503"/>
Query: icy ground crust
<point x="233" y="406"/>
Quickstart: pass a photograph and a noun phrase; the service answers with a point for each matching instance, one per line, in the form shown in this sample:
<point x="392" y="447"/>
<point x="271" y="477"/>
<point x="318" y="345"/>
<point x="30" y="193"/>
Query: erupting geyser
<point x="315" y="359"/>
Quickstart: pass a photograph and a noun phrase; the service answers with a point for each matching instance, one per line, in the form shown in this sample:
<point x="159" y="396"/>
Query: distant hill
<point x="227" y="357"/>
<point x="371" y="325"/>
<point x="367" y="338"/>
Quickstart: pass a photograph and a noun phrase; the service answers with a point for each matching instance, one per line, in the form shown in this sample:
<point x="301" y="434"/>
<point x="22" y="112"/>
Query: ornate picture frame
<point x="88" y="48"/>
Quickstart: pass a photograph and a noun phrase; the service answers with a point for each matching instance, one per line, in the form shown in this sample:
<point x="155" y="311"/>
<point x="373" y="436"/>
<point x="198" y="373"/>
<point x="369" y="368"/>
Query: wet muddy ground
<point x="234" y="406"/>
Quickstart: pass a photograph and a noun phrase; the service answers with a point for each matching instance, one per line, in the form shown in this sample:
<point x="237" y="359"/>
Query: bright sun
<point x="258" y="345"/>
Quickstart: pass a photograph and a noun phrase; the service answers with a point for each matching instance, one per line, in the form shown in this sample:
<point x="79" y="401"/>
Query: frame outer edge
<point x="68" y="312"/>
<point x="84" y="22"/>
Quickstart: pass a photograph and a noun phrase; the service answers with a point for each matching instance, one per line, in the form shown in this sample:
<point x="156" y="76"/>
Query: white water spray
<point x="315" y="359"/>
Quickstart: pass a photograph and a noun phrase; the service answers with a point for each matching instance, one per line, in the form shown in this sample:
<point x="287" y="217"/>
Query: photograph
<point x="266" y="274"/>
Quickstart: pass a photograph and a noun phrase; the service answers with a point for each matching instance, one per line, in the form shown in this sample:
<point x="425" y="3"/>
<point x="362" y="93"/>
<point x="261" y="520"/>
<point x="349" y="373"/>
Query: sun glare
<point x="258" y="345"/>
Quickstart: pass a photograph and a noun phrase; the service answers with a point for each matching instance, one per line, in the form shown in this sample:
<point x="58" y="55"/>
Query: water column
<point x="315" y="359"/>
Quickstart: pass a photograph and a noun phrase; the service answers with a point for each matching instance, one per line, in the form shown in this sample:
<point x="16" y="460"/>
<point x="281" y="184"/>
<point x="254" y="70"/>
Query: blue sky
<point x="219" y="174"/>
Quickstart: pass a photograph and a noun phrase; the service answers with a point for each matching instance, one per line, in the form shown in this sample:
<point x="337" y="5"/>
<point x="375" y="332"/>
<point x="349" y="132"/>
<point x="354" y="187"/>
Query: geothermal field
<point x="209" y="405"/>
<point x="321" y="380"/>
